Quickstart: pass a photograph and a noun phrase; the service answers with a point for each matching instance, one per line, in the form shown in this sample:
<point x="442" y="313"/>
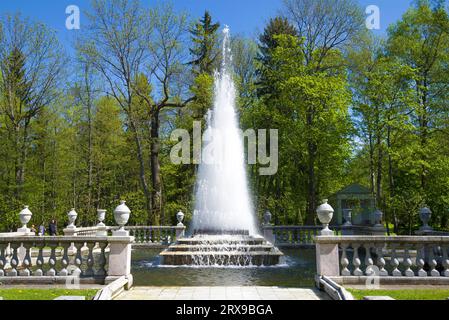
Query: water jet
<point x="224" y="225"/>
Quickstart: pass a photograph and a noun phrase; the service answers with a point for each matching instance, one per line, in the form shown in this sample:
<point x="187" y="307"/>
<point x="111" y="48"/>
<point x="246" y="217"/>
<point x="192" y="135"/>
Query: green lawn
<point x="43" y="294"/>
<point x="406" y="294"/>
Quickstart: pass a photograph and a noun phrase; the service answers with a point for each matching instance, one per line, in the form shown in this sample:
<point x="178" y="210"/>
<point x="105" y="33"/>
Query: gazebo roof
<point x="353" y="189"/>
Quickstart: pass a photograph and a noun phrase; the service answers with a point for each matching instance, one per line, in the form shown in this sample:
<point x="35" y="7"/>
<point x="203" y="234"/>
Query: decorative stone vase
<point x="347" y="215"/>
<point x="25" y="217"/>
<point x="425" y="214"/>
<point x="101" y="215"/>
<point x="180" y="217"/>
<point x="121" y="216"/>
<point x="72" y="215"/>
<point x="325" y="214"/>
<point x="267" y="217"/>
<point x="378" y="215"/>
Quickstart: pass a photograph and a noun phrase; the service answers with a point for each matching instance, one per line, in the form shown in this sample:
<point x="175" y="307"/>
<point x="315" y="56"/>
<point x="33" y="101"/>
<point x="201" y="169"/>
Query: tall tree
<point x="117" y="46"/>
<point x="327" y="29"/>
<point x="31" y="63"/>
<point x="204" y="48"/>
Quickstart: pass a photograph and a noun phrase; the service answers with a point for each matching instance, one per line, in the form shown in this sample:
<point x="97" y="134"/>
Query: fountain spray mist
<point x="223" y="202"/>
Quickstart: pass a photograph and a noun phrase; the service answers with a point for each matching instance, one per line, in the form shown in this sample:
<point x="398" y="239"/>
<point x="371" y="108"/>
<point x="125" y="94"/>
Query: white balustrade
<point x="405" y="257"/>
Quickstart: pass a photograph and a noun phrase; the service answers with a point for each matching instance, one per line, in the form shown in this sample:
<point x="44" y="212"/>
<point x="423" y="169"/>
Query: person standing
<point x="42" y="230"/>
<point x="53" y="228"/>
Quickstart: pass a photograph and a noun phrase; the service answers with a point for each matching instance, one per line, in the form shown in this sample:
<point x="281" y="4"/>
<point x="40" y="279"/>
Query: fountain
<point x="224" y="226"/>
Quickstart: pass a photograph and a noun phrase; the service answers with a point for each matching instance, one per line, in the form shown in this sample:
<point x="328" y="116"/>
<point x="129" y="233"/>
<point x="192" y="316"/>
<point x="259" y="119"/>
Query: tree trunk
<point x="311" y="181"/>
<point x="158" y="212"/>
<point x="142" y="177"/>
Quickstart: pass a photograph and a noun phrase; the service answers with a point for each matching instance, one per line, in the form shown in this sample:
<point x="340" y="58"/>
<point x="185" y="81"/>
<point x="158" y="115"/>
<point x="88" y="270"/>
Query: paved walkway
<point x="221" y="293"/>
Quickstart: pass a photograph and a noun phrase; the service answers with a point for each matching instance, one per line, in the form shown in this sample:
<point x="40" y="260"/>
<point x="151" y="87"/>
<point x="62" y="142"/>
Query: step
<point x="256" y="258"/>
<point x="219" y="248"/>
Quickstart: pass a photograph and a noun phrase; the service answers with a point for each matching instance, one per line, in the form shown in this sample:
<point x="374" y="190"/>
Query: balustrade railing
<point x="60" y="258"/>
<point x="155" y="236"/>
<point x="408" y="257"/>
<point x="291" y="236"/>
<point x="149" y="236"/>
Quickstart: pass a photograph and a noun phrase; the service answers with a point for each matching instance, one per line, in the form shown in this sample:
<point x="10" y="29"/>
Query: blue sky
<point x="243" y="16"/>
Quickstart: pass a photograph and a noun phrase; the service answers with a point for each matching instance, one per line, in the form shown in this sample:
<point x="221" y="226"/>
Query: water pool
<point x="298" y="271"/>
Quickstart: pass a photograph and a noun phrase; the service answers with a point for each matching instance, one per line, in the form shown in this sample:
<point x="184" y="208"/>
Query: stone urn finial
<point x="180" y="217"/>
<point x="267" y="217"/>
<point x="347" y="215"/>
<point x="121" y="216"/>
<point x="378" y="215"/>
<point x="72" y="215"/>
<point x="425" y="214"/>
<point x="101" y="216"/>
<point x="25" y="217"/>
<point x="325" y="214"/>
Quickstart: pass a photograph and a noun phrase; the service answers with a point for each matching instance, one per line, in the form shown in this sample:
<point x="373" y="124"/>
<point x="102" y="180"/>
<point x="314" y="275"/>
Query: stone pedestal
<point x="378" y="230"/>
<point x="327" y="260"/>
<point x="102" y="231"/>
<point x="268" y="234"/>
<point x="180" y="232"/>
<point x="120" y="233"/>
<point x="347" y="230"/>
<point x="120" y="257"/>
<point x="24" y="231"/>
<point x="70" y="232"/>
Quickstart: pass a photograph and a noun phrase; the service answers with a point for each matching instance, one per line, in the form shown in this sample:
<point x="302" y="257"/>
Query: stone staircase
<point x="224" y="250"/>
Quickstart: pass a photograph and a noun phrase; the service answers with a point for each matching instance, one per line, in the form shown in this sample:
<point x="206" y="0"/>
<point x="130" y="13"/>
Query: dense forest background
<point x="85" y="131"/>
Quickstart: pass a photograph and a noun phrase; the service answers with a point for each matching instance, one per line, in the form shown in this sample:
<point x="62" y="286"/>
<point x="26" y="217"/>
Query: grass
<point x="43" y="294"/>
<point x="404" y="294"/>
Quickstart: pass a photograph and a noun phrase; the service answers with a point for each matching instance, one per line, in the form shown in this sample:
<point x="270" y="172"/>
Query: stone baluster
<point x="433" y="263"/>
<point x="356" y="260"/>
<point x="344" y="260"/>
<point x="150" y="235"/>
<point x="90" y="272"/>
<point x="408" y="263"/>
<point x="146" y="238"/>
<point x="26" y="263"/>
<point x="14" y="262"/>
<point x="2" y="258"/>
<point x="301" y="236"/>
<point x="445" y="261"/>
<point x="305" y="234"/>
<point x="102" y="260"/>
<point x="369" y="262"/>
<point x="78" y="258"/>
<point x="420" y="262"/>
<point x="39" y="260"/>
<point x="65" y="259"/>
<point x="381" y="260"/>
<point x="395" y="262"/>
<point x="52" y="261"/>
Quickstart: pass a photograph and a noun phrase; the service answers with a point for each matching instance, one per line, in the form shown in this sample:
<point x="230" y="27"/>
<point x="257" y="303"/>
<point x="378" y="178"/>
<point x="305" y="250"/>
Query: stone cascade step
<point x="219" y="248"/>
<point x="222" y="251"/>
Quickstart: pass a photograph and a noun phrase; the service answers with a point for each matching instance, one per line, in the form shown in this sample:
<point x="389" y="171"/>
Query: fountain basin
<point x="211" y="250"/>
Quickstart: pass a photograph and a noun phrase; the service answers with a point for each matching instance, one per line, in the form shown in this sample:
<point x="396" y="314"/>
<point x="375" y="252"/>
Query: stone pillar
<point x="70" y="232"/>
<point x="180" y="230"/>
<point x="268" y="234"/>
<point x="268" y="228"/>
<point x="101" y="227"/>
<point x="119" y="258"/>
<point x="327" y="259"/>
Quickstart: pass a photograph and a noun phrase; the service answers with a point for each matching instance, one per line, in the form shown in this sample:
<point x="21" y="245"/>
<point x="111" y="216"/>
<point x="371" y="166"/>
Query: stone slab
<point x="70" y="298"/>
<point x="377" y="298"/>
